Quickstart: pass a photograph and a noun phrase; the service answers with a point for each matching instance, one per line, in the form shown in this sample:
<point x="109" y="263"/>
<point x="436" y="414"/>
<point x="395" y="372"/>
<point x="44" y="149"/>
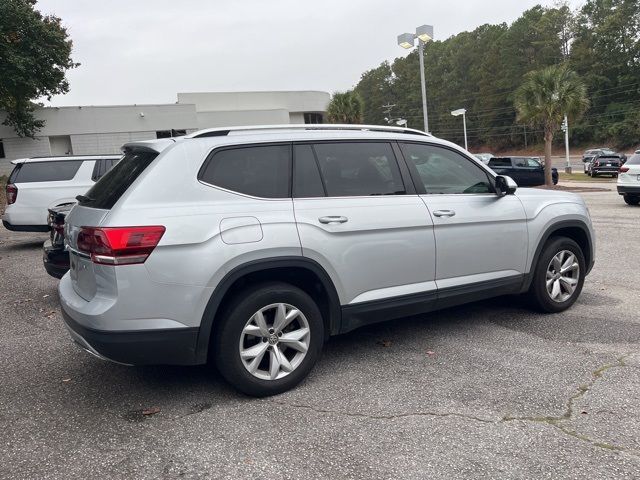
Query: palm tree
<point x="543" y="100"/>
<point x="345" y="107"/>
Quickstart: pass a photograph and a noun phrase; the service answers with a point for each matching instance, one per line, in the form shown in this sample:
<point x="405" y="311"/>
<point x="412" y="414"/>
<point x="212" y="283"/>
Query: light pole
<point x="565" y="129"/>
<point x="463" y="112"/>
<point x="424" y="33"/>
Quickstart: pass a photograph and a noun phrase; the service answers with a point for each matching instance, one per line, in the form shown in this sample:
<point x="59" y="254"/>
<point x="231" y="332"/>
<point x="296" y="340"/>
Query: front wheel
<point x="558" y="276"/>
<point x="631" y="199"/>
<point x="269" y="339"/>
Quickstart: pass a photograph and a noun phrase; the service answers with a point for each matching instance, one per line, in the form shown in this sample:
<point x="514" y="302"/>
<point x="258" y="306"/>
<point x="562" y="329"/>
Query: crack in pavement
<point x="558" y="421"/>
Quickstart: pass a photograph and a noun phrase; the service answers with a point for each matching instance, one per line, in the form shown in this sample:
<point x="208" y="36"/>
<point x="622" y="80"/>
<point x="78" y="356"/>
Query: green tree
<point x="35" y="53"/>
<point x="543" y="100"/>
<point x="345" y="107"/>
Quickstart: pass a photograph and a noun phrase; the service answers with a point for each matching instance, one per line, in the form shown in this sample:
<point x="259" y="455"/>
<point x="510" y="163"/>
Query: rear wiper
<point x="84" y="199"/>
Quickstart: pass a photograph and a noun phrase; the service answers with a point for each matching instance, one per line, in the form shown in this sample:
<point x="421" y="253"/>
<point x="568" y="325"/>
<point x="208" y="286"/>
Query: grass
<point x="581" y="177"/>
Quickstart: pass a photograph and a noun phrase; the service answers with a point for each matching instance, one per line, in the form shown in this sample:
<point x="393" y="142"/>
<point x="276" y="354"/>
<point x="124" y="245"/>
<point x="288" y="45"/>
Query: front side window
<point x="519" y="162"/>
<point x="444" y="171"/>
<point x="532" y="162"/>
<point x="259" y="171"/>
<point x="359" y="169"/>
<point x="47" y="171"/>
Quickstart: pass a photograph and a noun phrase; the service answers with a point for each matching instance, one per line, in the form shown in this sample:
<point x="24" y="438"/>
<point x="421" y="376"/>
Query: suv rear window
<point x="260" y="171"/>
<point x="633" y="160"/>
<point x="500" y="162"/>
<point x="50" y="171"/>
<point x="108" y="190"/>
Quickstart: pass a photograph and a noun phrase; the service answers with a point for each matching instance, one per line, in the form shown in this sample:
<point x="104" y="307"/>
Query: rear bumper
<point x="624" y="189"/>
<point x="55" y="260"/>
<point x="606" y="170"/>
<point x="25" y="228"/>
<point x="143" y="347"/>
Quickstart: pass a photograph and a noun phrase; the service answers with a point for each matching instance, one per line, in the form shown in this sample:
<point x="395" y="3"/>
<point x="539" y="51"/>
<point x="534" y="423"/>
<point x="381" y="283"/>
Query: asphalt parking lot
<point x="486" y="390"/>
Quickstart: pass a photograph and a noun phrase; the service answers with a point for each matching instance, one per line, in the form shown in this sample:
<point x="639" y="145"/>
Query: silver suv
<point x="251" y="246"/>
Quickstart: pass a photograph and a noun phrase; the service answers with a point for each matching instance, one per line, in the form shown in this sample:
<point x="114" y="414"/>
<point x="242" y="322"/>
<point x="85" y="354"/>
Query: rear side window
<point x="101" y="167"/>
<point x="51" y="171"/>
<point x="500" y="162"/>
<point x="260" y="171"/>
<point x="108" y="190"/>
<point x="519" y="162"/>
<point x="359" y="169"/>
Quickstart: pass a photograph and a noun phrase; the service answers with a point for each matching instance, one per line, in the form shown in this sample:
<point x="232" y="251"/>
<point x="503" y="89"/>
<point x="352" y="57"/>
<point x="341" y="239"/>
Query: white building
<point x="104" y="129"/>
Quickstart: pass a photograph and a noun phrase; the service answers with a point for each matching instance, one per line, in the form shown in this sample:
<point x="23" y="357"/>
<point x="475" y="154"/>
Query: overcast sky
<point x="143" y="51"/>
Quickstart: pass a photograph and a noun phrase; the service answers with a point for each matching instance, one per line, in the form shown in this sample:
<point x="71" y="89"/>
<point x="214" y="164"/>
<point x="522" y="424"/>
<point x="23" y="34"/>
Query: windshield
<point x="108" y="190"/>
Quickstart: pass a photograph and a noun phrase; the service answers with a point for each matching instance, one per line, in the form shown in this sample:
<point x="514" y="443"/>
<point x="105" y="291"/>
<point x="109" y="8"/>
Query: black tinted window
<point x="445" y="171"/>
<point x="519" y="162"/>
<point x="261" y="171"/>
<point x="500" y="162"/>
<point x="354" y="169"/>
<point x="50" y="171"/>
<point x="101" y="167"/>
<point x="108" y="190"/>
<point x="306" y="177"/>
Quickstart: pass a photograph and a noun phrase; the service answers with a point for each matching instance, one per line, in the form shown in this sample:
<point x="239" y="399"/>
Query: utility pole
<point x="565" y="128"/>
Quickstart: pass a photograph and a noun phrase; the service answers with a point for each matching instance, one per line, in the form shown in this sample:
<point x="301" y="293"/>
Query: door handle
<point x="331" y="219"/>
<point x="444" y="213"/>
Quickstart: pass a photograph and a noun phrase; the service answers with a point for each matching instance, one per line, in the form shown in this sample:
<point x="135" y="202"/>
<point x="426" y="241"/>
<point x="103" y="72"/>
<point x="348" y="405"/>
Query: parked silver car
<point x="251" y="246"/>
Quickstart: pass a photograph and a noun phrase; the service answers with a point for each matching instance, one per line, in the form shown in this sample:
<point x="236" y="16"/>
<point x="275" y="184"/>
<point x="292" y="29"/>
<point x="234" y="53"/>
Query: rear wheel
<point x="558" y="276"/>
<point x="631" y="199"/>
<point x="269" y="339"/>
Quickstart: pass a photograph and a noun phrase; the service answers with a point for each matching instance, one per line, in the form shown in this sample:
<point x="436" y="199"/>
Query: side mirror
<point x="505" y="185"/>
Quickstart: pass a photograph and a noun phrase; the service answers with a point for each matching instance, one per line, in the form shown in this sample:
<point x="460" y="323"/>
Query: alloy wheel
<point x="274" y="341"/>
<point x="563" y="275"/>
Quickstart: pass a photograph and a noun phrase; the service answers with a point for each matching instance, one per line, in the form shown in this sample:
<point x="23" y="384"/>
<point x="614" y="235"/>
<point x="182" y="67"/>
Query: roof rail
<point x="222" y="131"/>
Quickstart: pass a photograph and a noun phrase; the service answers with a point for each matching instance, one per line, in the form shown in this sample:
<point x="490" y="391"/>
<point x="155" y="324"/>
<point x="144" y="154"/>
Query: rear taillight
<point x="624" y="169"/>
<point x="58" y="227"/>
<point x="12" y="193"/>
<point x="119" y="245"/>
<point x="596" y="164"/>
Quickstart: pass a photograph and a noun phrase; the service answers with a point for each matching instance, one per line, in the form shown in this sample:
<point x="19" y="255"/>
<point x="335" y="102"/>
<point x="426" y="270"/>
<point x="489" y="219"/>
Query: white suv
<point x="629" y="180"/>
<point x="38" y="184"/>
<point x="251" y="246"/>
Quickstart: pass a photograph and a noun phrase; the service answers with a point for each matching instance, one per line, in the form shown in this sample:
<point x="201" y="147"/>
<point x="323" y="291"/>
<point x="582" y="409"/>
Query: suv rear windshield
<point x="500" y="162"/>
<point x="108" y="190"/>
<point x="48" y="171"/>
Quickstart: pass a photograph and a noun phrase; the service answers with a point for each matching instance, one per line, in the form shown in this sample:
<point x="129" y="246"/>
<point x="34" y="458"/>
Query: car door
<point x="481" y="238"/>
<point x="536" y="171"/>
<point x="360" y="218"/>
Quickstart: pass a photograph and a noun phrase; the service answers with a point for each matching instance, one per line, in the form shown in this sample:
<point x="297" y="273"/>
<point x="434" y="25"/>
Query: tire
<point x="540" y="297"/>
<point x="631" y="199"/>
<point x="240" y="316"/>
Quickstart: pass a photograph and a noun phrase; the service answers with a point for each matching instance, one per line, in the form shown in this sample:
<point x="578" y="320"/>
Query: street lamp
<point x="424" y="34"/>
<point x="463" y="112"/>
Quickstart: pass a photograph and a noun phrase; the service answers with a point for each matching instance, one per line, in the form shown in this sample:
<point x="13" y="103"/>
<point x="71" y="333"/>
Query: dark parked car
<point x="526" y="171"/>
<point x="605" y="164"/>
<point x="54" y="253"/>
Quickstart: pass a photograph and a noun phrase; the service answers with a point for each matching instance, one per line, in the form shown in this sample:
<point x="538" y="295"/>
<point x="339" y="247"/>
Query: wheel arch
<point x="574" y="229"/>
<point x="301" y="272"/>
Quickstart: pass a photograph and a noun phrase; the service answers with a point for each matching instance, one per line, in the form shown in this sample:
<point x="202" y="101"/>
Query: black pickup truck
<point x="526" y="171"/>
